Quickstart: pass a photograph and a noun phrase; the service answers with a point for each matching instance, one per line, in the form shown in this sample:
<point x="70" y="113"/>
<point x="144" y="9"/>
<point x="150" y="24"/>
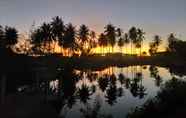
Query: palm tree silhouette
<point x="47" y="35"/>
<point x="140" y="39"/>
<point x="126" y="41"/>
<point x="157" y="40"/>
<point x="102" y="41"/>
<point x="120" y="39"/>
<point x="171" y="42"/>
<point x="69" y="39"/>
<point x="92" y="41"/>
<point x="58" y="29"/>
<point x="110" y="34"/>
<point x="155" y="44"/>
<point x="133" y="37"/>
<point x="11" y="36"/>
<point x="37" y="40"/>
<point x="83" y="34"/>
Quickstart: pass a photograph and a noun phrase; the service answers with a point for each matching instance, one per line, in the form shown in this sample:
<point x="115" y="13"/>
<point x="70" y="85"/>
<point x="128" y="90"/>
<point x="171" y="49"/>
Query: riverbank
<point x="94" y="62"/>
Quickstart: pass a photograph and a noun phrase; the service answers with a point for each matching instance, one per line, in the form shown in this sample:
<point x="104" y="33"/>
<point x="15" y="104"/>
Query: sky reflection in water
<point x="113" y="91"/>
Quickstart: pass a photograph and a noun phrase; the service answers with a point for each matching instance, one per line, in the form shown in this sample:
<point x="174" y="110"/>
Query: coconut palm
<point x="37" y="40"/>
<point x="92" y="41"/>
<point x="133" y="37"/>
<point x="155" y="44"/>
<point x="102" y="41"/>
<point x="69" y="41"/>
<point x="140" y="39"/>
<point x="120" y="39"/>
<point x="47" y="35"/>
<point x="152" y="48"/>
<point x="126" y="40"/>
<point x="121" y="43"/>
<point x="157" y="40"/>
<point x="83" y="34"/>
<point x="57" y="30"/>
<point x="110" y="34"/>
<point x="171" y="42"/>
<point x="10" y="36"/>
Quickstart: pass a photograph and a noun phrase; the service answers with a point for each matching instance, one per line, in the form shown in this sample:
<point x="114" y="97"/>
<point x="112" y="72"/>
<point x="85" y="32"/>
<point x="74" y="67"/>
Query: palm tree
<point x="171" y="42"/>
<point x="83" y="33"/>
<point x="57" y="30"/>
<point x="11" y="36"/>
<point x="152" y="48"/>
<point x="140" y="39"/>
<point x="47" y="35"/>
<point x="92" y="39"/>
<point x="119" y="32"/>
<point x="121" y="39"/>
<point x="83" y="37"/>
<point x="102" y="41"/>
<point x="157" y="40"/>
<point x="110" y="34"/>
<point x="121" y="43"/>
<point x="155" y="44"/>
<point x="126" y="40"/>
<point x="69" y="41"/>
<point x="133" y="36"/>
<point x="37" y="40"/>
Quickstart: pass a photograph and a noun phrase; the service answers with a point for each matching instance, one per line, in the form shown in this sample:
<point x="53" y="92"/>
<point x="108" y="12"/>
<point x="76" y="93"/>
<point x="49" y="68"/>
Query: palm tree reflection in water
<point x="74" y="89"/>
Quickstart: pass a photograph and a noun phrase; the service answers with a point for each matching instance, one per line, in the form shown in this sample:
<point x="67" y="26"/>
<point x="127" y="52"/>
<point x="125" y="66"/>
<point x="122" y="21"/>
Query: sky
<point x="153" y="16"/>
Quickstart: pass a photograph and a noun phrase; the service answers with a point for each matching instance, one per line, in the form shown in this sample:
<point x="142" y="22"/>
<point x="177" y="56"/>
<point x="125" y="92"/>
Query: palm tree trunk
<point x="61" y="50"/>
<point x="126" y="49"/>
<point x="120" y="49"/>
<point x="140" y="51"/>
<point x="131" y="48"/>
<point x="103" y="50"/>
<point x="112" y="49"/>
<point x="49" y="47"/>
<point x="54" y="47"/>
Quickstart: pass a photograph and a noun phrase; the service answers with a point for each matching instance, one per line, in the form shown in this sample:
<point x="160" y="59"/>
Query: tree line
<point x="72" y="41"/>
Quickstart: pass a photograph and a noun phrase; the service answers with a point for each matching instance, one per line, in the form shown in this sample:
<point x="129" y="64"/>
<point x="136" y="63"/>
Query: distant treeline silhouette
<point x="49" y="37"/>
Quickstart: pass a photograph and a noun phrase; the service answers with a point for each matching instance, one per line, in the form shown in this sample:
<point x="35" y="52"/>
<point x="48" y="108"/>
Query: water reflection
<point x="155" y="74"/>
<point x="169" y="102"/>
<point x="93" y="110"/>
<point x="111" y="92"/>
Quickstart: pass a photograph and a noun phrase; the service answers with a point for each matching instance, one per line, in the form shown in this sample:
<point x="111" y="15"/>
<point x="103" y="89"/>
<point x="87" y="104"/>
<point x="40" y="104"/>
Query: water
<point x="111" y="92"/>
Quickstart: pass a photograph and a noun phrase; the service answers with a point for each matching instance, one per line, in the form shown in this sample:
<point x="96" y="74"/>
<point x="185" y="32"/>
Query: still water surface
<point x="107" y="93"/>
<point x="114" y="91"/>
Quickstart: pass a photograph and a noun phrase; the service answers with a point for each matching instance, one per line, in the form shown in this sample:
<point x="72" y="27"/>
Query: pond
<point x="104" y="93"/>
